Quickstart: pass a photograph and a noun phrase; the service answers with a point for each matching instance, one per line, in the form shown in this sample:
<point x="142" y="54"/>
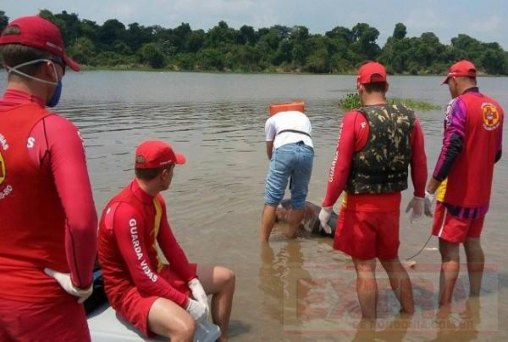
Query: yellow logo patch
<point x="490" y="116"/>
<point x="2" y="169"/>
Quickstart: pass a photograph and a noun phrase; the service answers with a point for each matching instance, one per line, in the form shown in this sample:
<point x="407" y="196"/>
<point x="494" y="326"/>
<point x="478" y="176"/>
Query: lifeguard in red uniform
<point x="472" y="144"/>
<point x="47" y="214"/>
<point x="377" y="145"/>
<point x="156" y="297"/>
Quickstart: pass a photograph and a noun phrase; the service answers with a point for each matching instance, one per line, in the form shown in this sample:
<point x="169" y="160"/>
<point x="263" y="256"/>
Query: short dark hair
<point x="15" y="54"/>
<point x="375" y="87"/>
<point x="149" y="174"/>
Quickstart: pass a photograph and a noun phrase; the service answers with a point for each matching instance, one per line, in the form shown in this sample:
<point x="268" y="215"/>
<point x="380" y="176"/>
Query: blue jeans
<point x="289" y="161"/>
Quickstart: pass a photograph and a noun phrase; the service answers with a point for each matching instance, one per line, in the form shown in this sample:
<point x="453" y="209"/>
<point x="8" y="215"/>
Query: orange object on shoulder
<point x="284" y="107"/>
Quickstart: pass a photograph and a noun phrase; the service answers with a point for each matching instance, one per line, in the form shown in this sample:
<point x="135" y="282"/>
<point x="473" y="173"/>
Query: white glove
<point x="199" y="293"/>
<point x="429" y="200"/>
<point x="64" y="279"/>
<point x="196" y="310"/>
<point x="324" y="217"/>
<point x="416" y="207"/>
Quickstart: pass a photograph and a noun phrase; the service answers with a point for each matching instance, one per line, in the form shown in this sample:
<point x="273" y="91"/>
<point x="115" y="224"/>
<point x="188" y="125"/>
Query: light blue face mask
<point x="55" y="98"/>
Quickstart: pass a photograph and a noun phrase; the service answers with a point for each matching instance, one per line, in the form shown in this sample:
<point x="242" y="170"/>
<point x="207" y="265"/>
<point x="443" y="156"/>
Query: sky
<point x="482" y="20"/>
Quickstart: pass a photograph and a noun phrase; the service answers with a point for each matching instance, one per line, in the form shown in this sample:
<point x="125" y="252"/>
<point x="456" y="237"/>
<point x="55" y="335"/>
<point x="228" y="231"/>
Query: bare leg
<point x="475" y="265"/>
<point x="267" y="222"/>
<point x="295" y="218"/>
<point x="400" y="283"/>
<point x="220" y="283"/>
<point x="450" y="266"/>
<point x="166" y="318"/>
<point x="366" y="286"/>
<point x="281" y="214"/>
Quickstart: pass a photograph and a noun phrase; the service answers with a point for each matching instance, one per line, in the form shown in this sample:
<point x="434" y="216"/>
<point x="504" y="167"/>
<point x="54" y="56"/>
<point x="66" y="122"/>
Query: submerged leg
<point x="400" y="284"/>
<point x="267" y="222"/>
<point x="366" y="287"/>
<point x="450" y="265"/>
<point x="475" y="265"/>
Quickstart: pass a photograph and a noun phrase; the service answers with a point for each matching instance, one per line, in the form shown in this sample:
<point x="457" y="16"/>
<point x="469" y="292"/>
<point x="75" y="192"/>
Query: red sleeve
<point x="172" y="250"/>
<point x="353" y="135"/>
<point x="418" y="160"/>
<point x="58" y="146"/>
<point x="133" y="247"/>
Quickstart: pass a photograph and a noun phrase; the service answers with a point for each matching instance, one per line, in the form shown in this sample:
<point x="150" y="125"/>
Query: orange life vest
<point x="275" y="108"/>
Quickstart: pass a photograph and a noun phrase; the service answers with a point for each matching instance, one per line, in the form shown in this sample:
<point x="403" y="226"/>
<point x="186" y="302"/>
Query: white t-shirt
<point x="288" y="120"/>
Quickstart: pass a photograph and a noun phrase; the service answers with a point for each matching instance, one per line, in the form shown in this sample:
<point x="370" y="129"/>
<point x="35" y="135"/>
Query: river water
<point x="299" y="290"/>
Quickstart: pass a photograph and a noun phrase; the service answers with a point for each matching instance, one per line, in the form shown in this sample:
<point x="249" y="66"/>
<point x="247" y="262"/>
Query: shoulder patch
<point x="491" y="117"/>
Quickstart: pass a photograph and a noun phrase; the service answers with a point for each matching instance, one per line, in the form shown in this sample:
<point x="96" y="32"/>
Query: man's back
<point x="29" y="242"/>
<point x="288" y="127"/>
<point x="479" y="120"/>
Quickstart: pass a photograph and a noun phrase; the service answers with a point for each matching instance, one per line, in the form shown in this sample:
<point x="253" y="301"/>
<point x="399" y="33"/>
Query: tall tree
<point x="400" y="31"/>
<point x="111" y="31"/>
<point x="4" y="20"/>
<point x="220" y="35"/>
<point x="83" y="50"/>
<point x="247" y="35"/>
<point x="152" y="55"/>
<point x="342" y="34"/>
<point x="364" y="41"/>
<point x="69" y="26"/>
<point x="137" y="35"/>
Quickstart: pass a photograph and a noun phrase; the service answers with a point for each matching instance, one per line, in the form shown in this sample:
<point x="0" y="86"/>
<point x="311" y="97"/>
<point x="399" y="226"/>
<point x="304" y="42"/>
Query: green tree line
<point x="274" y="49"/>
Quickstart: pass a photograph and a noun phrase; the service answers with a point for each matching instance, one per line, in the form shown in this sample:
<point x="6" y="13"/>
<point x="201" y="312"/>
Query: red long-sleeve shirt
<point x="55" y="145"/>
<point x="353" y="135"/>
<point x="127" y="248"/>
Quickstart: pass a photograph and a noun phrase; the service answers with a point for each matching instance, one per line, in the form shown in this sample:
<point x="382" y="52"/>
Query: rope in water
<point x="421" y="249"/>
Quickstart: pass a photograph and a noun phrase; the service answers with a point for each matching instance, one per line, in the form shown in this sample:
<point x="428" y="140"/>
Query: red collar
<point x="140" y="193"/>
<point x="17" y="97"/>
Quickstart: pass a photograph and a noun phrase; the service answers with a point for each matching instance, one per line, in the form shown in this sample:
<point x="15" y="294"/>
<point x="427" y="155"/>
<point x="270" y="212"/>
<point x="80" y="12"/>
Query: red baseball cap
<point x="152" y="154"/>
<point x="371" y="72"/>
<point x="39" y="33"/>
<point x="462" y="68"/>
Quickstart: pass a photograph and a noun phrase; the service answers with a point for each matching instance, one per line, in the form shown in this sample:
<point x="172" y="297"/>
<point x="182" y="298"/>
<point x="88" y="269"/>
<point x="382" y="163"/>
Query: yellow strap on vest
<point x="156" y="228"/>
<point x="158" y="216"/>
<point x="344" y="200"/>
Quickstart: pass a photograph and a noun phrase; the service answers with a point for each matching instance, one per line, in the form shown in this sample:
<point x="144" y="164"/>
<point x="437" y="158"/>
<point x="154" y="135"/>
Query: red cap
<point x="39" y="33"/>
<point x="371" y="72"/>
<point x="462" y="68"/>
<point x="152" y="154"/>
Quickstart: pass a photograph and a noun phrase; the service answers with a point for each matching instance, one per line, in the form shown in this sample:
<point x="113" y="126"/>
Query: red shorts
<point x="454" y="229"/>
<point x="368" y="234"/>
<point x="48" y="321"/>
<point x="135" y="307"/>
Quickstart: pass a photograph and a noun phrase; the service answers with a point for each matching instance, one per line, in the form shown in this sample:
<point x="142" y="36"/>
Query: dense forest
<point x="274" y="49"/>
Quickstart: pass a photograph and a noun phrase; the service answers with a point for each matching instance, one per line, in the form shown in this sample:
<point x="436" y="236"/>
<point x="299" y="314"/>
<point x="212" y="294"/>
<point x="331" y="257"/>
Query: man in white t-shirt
<point x="291" y="152"/>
